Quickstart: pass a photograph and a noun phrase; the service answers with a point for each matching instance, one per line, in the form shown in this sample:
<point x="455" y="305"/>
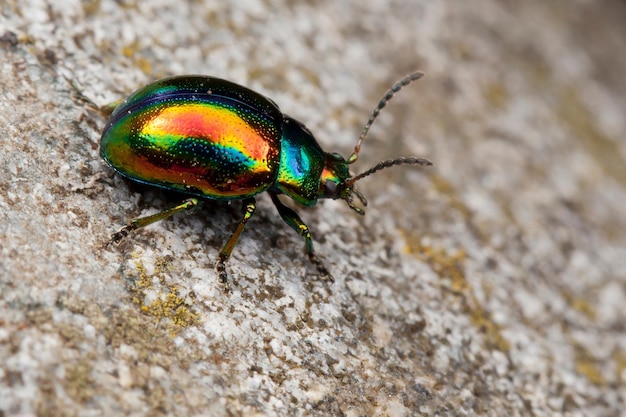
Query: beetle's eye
<point x="331" y="187"/>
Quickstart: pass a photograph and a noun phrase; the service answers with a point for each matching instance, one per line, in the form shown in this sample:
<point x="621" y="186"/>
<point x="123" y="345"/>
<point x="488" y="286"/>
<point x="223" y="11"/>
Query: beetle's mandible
<point x="213" y="139"/>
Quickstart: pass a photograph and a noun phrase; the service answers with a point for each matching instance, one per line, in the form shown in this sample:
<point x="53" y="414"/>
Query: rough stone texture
<point x="493" y="284"/>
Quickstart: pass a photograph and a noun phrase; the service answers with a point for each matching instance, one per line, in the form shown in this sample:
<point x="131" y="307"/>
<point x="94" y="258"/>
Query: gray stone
<point x="490" y="284"/>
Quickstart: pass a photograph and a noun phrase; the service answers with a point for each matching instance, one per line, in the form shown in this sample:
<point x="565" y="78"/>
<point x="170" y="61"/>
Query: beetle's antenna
<point x="386" y="164"/>
<point x="381" y="105"/>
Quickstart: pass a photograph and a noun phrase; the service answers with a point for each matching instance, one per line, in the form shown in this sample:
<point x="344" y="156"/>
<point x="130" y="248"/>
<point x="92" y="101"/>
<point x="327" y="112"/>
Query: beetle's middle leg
<point x="248" y="207"/>
<point x="293" y="220"/>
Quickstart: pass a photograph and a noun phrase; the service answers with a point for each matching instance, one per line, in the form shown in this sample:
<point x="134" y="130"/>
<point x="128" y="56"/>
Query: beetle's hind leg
<point x="145" y="221"/>
<point x="293" y="220"/>
<point x="248" y="207"/>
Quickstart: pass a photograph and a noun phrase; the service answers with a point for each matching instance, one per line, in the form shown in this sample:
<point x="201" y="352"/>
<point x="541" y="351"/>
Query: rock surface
<point x="492" y="284"/>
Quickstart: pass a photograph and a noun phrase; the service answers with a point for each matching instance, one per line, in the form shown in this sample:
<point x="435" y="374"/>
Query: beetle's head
<point x="334" y="182"/>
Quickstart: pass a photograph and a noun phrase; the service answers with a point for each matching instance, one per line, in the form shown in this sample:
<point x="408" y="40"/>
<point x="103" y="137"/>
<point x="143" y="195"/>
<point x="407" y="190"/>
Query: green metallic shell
<point x="199" y="135"/>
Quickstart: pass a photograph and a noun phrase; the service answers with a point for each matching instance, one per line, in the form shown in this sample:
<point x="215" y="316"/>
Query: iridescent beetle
<point x="213" y="139"/>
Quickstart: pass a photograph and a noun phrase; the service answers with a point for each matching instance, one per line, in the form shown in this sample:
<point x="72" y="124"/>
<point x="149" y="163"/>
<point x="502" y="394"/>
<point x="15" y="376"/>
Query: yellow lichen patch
<point x="482" y="319"/>
<point x="131" y="51"/>
<point x="159" y="299"/>
<point x="450" y="267"/>
<point x="91" y="7"/>
<point x="581" y="305"/>
<point x="496" y="94"/>
<point x="79" y="382"/>
<point x="446" y="188"/>
<point x="143" y="64"/>
<point x="620" y="365"/>
<point x="587" y="365"/>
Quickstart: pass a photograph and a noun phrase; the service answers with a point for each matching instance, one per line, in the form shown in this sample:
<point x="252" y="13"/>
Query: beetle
<point x="210" y="138"/>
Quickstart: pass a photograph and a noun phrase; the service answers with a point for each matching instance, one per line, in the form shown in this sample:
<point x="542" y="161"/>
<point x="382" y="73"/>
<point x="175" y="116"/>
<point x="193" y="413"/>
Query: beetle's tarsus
<point x="121" y="234"/>
<point x="220" y="269"/>
<point x="321" y="268"/>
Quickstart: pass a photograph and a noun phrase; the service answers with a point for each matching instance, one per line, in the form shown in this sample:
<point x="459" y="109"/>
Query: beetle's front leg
<point x="248" y="207"/>
<point x="145" y="221"/>
<point x="293" y="220"/>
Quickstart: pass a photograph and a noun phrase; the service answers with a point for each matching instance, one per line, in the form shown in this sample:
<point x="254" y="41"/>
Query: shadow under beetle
<point x="213" y="139"/>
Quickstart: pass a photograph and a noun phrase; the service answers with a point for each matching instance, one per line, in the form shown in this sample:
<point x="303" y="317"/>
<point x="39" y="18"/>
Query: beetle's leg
<point x="108" y="108"/>
<point x="145" y="221"/>
<point x="293" y="220"/>
<point x="248" y="207"/>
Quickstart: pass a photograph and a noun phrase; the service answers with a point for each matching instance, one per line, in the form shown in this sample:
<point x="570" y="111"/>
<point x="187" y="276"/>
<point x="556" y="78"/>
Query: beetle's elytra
<point x="213" y="139"/>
